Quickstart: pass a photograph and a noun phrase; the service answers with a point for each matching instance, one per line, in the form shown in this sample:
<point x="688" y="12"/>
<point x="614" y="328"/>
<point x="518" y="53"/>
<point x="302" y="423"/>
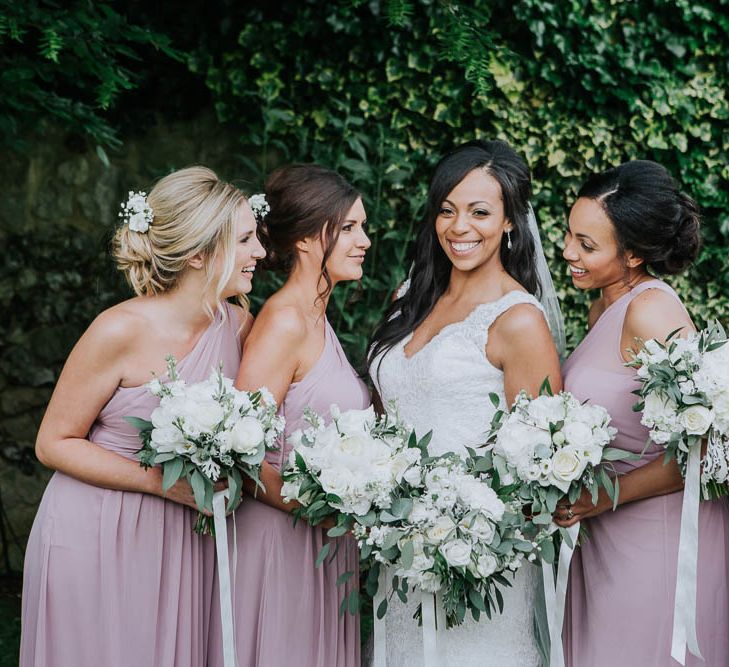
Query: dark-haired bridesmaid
<point x="628" y="225"/>
<point x="287" y="609"/>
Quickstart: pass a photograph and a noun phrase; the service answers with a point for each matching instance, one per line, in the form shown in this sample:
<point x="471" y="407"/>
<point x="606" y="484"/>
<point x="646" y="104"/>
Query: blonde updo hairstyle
<point x="194" y="214"/>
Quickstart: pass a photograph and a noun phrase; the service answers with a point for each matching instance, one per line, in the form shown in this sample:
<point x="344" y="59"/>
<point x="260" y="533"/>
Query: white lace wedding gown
<point x="445" y="387"/>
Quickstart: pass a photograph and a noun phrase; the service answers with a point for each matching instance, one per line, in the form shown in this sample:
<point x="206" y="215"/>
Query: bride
<point x="468" y="323"/>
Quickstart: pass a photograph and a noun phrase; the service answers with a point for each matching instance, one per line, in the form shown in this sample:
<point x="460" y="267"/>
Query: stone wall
<point x="62" y="183"/>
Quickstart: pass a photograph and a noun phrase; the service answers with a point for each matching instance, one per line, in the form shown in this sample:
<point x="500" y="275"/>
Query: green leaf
<point x="322" y="554"/>
<point x="338" y="531"/>
<point x="407" y="554"/>
<point x="344" y="578"/>
<point x="197" y="482"/>
<point x="171" y="472"/>
<point x="354" y="602"/>
<point x="139" y="424"/>
<point x="382" y="609"/>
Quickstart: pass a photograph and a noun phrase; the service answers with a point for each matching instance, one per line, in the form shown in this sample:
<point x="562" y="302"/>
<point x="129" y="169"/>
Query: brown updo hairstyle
<point x="651" y="217"/>
<point x="194" y="213"/>
<point x="307" y="201"/>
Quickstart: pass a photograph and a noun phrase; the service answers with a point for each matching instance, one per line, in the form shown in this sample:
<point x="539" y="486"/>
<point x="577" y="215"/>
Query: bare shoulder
<point x="654" y="314"/>
<point x="519" y="319"/>
<point x="118" y="327"/>
<point x="284" y="322"/>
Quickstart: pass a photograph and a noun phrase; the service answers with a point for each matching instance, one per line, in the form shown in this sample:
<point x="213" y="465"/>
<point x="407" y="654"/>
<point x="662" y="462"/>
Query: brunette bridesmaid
<point x="286" y="609"/>
<point x="114" y="574"/>
<point x="630" y="224"/>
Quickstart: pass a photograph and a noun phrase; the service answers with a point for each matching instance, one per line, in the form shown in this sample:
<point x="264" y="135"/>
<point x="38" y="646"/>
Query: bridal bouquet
<point x="685" y="399"/>
<point x="447" y="533"/>
<point x="349" y="468"/>
<point x="552" y="446"/>
<point x="206" y="432"/>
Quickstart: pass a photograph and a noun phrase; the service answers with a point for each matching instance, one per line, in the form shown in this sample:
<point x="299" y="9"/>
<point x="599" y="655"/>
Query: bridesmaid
<point x="287" y="609"/>
<point x="114" y="574"/>
<point x="629" y="224"/>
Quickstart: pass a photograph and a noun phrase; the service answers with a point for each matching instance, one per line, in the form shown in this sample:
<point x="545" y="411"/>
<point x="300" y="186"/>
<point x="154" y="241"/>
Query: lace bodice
<point x="445" y="385"/>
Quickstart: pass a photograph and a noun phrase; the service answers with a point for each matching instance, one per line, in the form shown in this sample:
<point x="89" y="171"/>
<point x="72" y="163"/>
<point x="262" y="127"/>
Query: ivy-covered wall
<point x="377" y="89"/>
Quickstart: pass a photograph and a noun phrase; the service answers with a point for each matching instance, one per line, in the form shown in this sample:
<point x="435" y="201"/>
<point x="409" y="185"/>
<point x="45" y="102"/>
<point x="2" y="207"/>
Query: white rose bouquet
<point x="552" y="446"/>
<point x="206" y="432"/>
<point x="448" y="532"/>
<point x="685" y="399"/>
<point x="350" y="467"/>
<point x="350" y="470"/>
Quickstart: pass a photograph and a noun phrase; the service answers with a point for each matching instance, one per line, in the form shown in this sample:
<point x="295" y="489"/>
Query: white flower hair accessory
<point x="136" y="212"/>
<point x="259" y="205"/>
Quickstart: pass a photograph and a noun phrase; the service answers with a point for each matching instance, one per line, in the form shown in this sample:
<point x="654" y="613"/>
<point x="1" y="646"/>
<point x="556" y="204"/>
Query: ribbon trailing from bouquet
<point x="379" y="653"/>
<point x="555" y="595"/>
<point x="224" y="578"/>
<point x="684" y="608"/>
<point x="430" y="637"/>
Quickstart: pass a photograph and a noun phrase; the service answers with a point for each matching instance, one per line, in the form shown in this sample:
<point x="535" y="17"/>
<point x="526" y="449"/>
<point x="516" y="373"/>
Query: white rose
<point x="204" y="415"/>
<point x="546" y="409"/>
<point x="353" y="446"/>
<point x="413" y="476"/>
<point x="696" y="419"/>
<point x="246" y="436"/>
<point x="336" y="480"/>
<point x="516" y="442"/>
<point x="167" y="439"/>
<point x="480" y="527"/>
<point x="356" y="421"/>
<point x="567" y="466"/>
<point x="456" y="552"/>
<point x="440" y="530"/>
<point x="578" y="433"/>
<point x="478" y="495"/>
<point x="486" y="565"/>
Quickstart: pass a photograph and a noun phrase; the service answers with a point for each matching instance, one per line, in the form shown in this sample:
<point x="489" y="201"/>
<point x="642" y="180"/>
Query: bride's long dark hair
<point x="431" y="266"/>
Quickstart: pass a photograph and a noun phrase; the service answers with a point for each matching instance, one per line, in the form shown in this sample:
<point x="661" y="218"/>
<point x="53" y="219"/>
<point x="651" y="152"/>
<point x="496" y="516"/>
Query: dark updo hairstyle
<point x="651" y="217"/>
<point x="306" y="201"/>
<point x="431" y="266"/>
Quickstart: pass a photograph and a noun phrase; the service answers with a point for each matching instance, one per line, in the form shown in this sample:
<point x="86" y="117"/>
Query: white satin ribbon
<point x="555" y="595"/>
<point x="224" y="580"/>
<point x="379" y="653"/>
<point x="684" y="608"/>
<point x="431" y="657"/>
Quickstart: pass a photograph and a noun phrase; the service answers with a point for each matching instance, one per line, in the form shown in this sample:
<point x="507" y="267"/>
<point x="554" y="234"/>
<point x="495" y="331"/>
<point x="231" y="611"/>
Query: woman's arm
<point x="652" y="314"/>
<point x="522" y="346"/>
<point x="89" y="378"/>
<point x="270" y="360"/>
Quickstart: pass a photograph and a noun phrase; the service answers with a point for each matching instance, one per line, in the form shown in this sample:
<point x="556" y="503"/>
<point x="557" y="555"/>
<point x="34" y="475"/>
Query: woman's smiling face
<point x="471" y="223"/>
<point x="590" y="247"/>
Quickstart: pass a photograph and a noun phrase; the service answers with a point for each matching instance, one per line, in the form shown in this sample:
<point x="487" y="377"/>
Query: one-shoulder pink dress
<point x="623" y="578"/>
<point x="286" y="609"/>
<point x="115" y="578"/>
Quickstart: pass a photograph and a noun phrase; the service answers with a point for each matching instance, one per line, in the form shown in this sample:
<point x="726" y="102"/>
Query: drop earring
<point x="508" y="240"/>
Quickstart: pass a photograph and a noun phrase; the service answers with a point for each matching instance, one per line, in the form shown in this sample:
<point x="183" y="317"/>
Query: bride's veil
<point x="548" y="295"/>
